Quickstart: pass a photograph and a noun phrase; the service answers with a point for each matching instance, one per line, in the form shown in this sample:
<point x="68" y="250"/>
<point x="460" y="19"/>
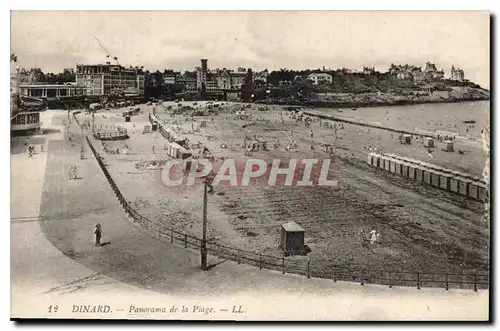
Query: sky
<point x="255" y="39"/>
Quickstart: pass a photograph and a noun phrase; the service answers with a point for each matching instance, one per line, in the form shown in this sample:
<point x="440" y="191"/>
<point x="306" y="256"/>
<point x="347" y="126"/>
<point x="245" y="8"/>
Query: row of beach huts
<point x="430" y="174"/>
<point x="173" y="148"/>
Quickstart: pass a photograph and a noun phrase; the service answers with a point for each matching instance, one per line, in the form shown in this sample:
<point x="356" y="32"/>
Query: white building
<point x="105" y="79"/>
<point x="320" y="78"/>
<point x="457" y="74"/>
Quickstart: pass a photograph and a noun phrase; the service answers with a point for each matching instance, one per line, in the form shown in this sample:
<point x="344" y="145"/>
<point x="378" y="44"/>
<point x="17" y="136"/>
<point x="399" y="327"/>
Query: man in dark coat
<point x="98" y="234"/>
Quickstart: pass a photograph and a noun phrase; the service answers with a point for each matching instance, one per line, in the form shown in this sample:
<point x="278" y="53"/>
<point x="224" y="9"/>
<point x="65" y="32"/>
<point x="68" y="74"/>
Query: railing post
<point x="283" y="263"/>
<point x="171" y="236"/>
<point x="308" y="269"/>
<point x="475" y="283"/>
<point x="418" y="280"/>
<point x="185" y="241"/>
<point x="446" y="282"/>
<point x="260" y="260"/>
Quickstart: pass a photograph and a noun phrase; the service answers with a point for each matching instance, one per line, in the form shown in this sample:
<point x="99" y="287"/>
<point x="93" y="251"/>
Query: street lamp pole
<point x="204" y="238"/>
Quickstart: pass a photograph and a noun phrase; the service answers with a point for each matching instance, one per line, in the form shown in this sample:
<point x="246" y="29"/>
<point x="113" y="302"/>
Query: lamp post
<point x="207" y="182"/>
<point x="204" y="229"/>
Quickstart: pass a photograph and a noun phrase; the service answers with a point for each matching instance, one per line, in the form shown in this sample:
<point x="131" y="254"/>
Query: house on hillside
<point x="432" y="73"/>
<point x="457" y="74"/>
<point x="419" y="76"/>
<point x="320" y="78"/>
<point x="404" y="75"/>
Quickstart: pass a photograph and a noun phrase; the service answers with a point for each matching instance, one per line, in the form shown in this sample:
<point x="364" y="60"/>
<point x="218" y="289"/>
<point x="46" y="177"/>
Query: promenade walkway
<point x="54" y="262"/>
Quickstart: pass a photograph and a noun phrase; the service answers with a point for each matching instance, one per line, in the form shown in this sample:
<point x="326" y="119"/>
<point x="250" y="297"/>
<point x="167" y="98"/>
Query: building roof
<point x="319" y="74"/>
<point x="292" y="227"/>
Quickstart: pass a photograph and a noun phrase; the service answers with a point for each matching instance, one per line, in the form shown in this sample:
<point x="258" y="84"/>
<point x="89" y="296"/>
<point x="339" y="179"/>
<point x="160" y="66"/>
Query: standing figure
<point x="362" y="238"/>
<point x="98" y="234"/>
<point x="70" y="173"/>
<point x="373" y="236"/>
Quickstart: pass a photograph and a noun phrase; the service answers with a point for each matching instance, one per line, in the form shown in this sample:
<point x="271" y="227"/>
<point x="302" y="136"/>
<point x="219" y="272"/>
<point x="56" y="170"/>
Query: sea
<point x="435" y="118"/>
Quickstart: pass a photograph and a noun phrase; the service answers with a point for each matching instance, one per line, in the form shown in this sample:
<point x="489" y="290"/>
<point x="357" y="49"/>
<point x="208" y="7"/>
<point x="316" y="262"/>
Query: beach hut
<point x="463" y="186"/>
<point x="473" y="190"/>
<point x="175" y="150"/>
<point x="387" y="163"/>
<point x="376" y="160"/>
<point x="428" y="142"/>
<point x="381" y="162"/>
<point x="419" y="173"/>
<point x="427" y="175"/>
<point x="392" y="165"/>
<point x="444" y="181"/>
<point x="449" y="146"/>
<point x="405" y="169"/>
<point x="434" y="178"/>
<point x="292" y="238"/>
<point x="146" y="129"/>
<point x="454" y="184"/>
<point x="370" y="158"/>
<point x="184" y="154"/>
<point x="411" y="170"/>
<point x="398" y="166"/>
<point x="481" y="192"/>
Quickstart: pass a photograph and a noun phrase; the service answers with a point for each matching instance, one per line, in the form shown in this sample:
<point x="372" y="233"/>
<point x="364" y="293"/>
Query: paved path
<point x="54" y="262"/>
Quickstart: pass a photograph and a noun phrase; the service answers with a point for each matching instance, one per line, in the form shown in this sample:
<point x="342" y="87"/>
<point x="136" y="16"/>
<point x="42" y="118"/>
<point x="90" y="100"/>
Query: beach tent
<point x="428" y="142"/>
<point x="406" y="139"/>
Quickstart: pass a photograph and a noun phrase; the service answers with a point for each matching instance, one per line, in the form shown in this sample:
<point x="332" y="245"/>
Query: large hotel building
<point x="107" y="79"/>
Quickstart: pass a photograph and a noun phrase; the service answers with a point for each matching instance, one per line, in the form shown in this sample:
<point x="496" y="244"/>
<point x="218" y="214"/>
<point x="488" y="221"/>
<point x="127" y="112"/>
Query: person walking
<point x="98" y="234"/>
